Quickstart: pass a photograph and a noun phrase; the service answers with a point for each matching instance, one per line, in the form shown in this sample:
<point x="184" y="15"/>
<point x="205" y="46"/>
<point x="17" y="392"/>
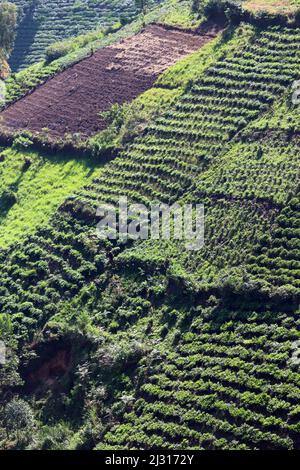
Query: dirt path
<point x="70" y="101"/>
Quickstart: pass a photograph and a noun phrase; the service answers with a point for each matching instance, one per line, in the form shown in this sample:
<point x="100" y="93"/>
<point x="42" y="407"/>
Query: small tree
<point x="8" y="21"/>
<point x="18" y="417"/>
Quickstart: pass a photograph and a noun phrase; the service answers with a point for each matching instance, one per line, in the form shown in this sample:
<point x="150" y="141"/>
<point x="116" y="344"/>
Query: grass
<point x="39" y="190"/>
<point x="271" y="6"/>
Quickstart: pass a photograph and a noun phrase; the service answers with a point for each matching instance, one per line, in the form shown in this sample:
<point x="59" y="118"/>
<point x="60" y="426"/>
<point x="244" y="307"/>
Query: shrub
<point x="8" y="199"/>
<point x="22" y="140"/>
<point x="57" y="50"/>
<point x="18" y="417"/>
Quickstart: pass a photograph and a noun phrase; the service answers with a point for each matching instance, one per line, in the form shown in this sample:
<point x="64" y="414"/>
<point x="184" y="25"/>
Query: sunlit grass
<point x="39" y="190"/>
<point x="272" y="6"/>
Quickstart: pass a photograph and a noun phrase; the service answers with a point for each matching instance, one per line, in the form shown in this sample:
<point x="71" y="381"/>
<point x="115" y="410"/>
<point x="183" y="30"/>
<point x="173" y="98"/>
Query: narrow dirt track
<point x="70" y="102"/>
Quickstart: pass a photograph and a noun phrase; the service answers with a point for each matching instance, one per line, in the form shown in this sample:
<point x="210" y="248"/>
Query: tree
<point x="8" y="21"/>
<point x="18" y="417"/>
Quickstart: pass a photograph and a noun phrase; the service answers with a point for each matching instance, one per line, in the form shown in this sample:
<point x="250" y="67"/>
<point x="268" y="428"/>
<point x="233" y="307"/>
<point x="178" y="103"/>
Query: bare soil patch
<point x="71" y="101"/>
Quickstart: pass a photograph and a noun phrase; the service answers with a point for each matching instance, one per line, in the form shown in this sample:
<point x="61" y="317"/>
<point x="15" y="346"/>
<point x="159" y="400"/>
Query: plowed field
<point x="71" y="101"/>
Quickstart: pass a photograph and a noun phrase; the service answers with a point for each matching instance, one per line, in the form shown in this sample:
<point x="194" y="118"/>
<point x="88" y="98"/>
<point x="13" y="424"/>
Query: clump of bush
<point x="233" y="12"/>
<point x="23" y="140"/>
<point x="8" y="199"/>
<point x="125" y="122"/>
<point x="57" y="50"/>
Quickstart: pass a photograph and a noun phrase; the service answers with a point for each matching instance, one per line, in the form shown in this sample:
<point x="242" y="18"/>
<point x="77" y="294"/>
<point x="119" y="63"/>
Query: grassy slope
<point x="212" y="390"/>
<point x="39" y="190"/>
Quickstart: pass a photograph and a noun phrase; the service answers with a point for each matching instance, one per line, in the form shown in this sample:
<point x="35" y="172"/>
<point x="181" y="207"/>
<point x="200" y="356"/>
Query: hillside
<point x="71" y="101"/>
<point x="44" y="22"/>
<point x="144" y="344"/>
<point x="52" y="112"/>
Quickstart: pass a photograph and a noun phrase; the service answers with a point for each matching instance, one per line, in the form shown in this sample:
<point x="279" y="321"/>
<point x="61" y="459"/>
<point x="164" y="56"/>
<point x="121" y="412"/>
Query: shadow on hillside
<point x="26" y="32"/>
<point x="9" y="198"/>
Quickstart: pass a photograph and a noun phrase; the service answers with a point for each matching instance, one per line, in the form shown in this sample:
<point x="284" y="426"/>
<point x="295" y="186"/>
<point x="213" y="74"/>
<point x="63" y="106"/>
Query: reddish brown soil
<point x="47" y="374"/>
<point x="70" y="101"/>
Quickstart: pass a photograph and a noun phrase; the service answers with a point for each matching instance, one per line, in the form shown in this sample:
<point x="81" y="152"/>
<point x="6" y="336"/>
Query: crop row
<point x="219" y="402"/>
<point x="51" y="21"/>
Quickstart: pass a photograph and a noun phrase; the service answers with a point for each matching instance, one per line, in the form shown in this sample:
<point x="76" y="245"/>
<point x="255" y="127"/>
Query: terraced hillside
<point x="72" y="100"/>
<point x="145" y="345"/>
<point x="224" y="386"/>
<point x="44" y="22"/>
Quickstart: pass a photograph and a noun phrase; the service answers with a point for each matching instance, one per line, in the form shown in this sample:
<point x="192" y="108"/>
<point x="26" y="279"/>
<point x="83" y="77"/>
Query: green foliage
<point x="60" y="49"/>
<point x="22" y="141"/>
<point x="18" y="415"/>
<point x="18" y="419"/>
<point x="168" y="348"/>
<point x="256" y="12"/>
<point x="8" y="19"/>
<point x="212" y="390"/>
<point x="32" y="187"/>
<point x="128" y="121"/>
<point x="180" y="14"/>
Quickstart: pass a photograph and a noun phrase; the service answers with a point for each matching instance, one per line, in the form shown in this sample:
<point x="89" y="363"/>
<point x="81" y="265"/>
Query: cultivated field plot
<point x="42" y="22"/>
<point x="71" y="101"/>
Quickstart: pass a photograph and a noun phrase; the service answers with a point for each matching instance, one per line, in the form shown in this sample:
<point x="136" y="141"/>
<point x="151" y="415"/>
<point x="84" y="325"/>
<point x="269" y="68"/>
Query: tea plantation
<point x="144" y="344"/>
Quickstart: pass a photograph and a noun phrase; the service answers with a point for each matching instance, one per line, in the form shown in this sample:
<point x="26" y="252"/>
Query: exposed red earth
<point x="70" y="102"/>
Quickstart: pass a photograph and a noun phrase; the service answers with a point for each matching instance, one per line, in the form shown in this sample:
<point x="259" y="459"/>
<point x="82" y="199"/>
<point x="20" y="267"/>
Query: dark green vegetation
<point x="147" y="345"/>
<point x="8" y="19"/>
<point x="44" y="22"/>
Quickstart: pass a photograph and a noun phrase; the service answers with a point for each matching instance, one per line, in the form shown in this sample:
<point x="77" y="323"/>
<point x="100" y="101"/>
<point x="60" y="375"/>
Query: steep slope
<point x="63" y="54"/>
<point x="231" y="380"/>
<point x="43" y="22"/>
<point x="228" y="384"/>
<point x="169" y="348"/>
<point x="72" y="100"/>
<point x="134" y="67"/>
